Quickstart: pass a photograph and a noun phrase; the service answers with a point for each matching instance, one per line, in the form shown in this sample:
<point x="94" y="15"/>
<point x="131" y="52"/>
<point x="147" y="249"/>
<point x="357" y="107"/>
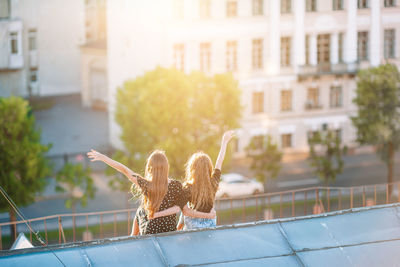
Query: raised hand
<point x="94" y="155"/>
<point x="228" y="135"/>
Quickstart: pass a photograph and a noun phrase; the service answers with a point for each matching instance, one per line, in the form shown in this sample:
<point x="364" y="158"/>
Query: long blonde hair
<point x="156" y="173"/>
<point x="198" y="174"/>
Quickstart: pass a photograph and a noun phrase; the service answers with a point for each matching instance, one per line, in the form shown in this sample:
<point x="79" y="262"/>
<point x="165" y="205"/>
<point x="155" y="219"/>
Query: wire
<point x="19" y="213"/>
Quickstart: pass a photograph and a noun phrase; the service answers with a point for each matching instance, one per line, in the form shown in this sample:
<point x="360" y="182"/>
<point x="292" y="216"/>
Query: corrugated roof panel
<point x="224" y="245"/>
<point x="346" y="229"/>
<point x="372" y="254"/>
<point x="287" y="261"/>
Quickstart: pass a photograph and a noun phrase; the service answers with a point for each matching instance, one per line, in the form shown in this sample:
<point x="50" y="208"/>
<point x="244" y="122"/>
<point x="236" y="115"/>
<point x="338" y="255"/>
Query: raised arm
<point x="228" y="135"/>
<point x="97" y="156"/>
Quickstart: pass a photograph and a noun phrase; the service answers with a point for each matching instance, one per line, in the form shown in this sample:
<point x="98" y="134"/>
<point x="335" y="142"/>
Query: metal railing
<point x="64" y="228"/>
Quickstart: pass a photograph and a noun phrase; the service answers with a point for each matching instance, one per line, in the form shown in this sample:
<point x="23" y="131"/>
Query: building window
<point x="307" y="50"/>
<point x="5" y="9"/>
<point x="335" y="96"/>
<point x="286" y="6"/>
<point x="258" y="6"/>
<point x="231" y="56"/>
<point x="337" y="4"/>
<point x="179" y="56"/>
<point x="285" y="51"/>
<point x="312" y="98"/>
<point x="205" y="57"/>
<point x="311" y="135"/>
<point x="362" y="3"/>
<point x="178" y="8"/>
<point x="286" y="100"/>
<point x="14" y="42"/>
<point x="33" y="75"/>
<point x="286" y="140"/>
<point x="205" y="9"/>
<point x="323" y="48"/>
<point x="390" y="3"/>
<point x="231" y="8"/>
<point x="340" y="47"/>
<point x="311" y="5"/>
<point x="389" y="43"/>
<point x="362" y="46"/>
<point x="258" y="102"/>
<point x="32" y="39"/>
<point x="257" y="54"/>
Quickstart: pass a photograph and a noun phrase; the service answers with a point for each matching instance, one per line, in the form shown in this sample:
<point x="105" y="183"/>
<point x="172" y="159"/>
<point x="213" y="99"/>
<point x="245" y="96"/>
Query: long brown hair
<point x="156" y="173"/>
<point x="198" y="175"/>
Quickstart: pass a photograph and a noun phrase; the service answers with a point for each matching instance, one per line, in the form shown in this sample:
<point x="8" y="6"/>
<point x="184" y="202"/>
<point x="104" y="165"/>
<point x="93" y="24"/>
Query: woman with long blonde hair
<point x="157" y="190"/>
<point x="201" y="184"/>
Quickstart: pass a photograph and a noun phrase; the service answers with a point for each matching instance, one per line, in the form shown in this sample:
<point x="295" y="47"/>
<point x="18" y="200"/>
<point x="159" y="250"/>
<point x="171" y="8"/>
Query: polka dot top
<point x="174" y="196"/>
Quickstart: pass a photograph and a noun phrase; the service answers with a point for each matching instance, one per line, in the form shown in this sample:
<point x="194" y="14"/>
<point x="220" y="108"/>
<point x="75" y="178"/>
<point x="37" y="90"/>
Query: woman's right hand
<point x="228" y="135"/>
<point x="94" y="155"/>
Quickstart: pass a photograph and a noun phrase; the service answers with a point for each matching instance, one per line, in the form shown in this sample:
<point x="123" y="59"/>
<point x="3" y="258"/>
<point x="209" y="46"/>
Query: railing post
<point x="1" y="240"/>
<point x="256" y="208"/>
<point x="340" y="199"/>
<point x="387" y="193"/>
<point x="45" y="231"/>
<point x="398" y="192"/>
<point x="293" y="212"/>
<point x="30" y="231"/>
<point x="73" y="228"/>
<point x="59" y="230"/>
<point x="305" y="202"/>
<point x="269" y="203"/>
<point x="363" y="196"/>
<point x="129" y="220"/>
<point x="351" y="197"/>
<point x="317" y="196"/>
<point x="231" y="204"/>
<point x="101" y="226"/>
<point x="87" y="223"/>
<point x="280" y="206"/>
<point x="244" y="209"/>
<point x="115" y="224"/>
<point x="375" y="200"/>
<point x="328" y="196"/>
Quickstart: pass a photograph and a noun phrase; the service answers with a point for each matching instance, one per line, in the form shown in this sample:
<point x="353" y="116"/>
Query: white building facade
<point x="39" y="46"/>
<point x="295" y="60"/>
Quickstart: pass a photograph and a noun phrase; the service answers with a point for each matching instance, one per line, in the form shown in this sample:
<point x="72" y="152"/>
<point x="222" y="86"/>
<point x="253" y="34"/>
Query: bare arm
<point x="135" y="228"/>
<point x="167" y="212"/>
<point x="96" y="156"/>
<point x="198" y="214"/>
<point x="225" y="140"/>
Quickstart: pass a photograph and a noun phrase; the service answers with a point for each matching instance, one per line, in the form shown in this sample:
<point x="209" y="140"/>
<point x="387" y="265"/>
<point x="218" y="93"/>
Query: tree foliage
<point x="77" y="182"/>
<point x="378" y="118"/>
<point x="265" y="157"/>
<point x="179" y="113"/>
<point x="22" y="156"/>
<point x="326" y="155"/>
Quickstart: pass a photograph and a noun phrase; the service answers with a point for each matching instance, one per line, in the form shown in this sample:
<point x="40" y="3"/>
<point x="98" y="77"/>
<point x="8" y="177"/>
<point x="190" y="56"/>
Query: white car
<point x="234" y="184"/>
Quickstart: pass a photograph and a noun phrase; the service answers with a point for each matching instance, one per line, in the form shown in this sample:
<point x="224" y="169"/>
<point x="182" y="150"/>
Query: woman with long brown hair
<point x="157" y="190"/>
<point x="201" y="184"/>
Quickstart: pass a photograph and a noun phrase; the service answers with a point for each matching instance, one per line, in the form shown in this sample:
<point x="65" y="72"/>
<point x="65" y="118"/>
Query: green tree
<point x="76" y="181"/>
<point x="265" y="157"/>
<point x="177" y="112"/>
<point x="326" y="155"/>
<point x="22" y="156"/>
<point x="378" y="118"/>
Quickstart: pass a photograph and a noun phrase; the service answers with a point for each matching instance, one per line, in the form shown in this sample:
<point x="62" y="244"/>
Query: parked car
<point x="234" y="184"/>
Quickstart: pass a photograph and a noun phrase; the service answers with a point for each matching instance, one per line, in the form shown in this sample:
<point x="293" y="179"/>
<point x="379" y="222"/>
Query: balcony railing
<point x="327" y="68"/>
<point x="63" y="228"/>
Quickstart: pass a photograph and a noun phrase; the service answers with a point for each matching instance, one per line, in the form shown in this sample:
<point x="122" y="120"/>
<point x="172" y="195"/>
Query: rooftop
<point x="358" y="237"/>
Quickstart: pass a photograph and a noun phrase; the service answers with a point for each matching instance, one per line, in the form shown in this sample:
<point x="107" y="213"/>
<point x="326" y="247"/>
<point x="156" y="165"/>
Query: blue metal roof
<point x="358" y="237"/>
